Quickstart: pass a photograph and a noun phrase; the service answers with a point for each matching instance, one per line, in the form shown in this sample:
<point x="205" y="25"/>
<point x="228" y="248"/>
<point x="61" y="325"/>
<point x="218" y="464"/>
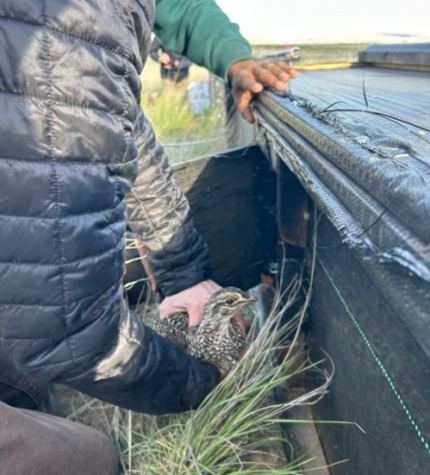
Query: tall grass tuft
<point x="236" y="429"/>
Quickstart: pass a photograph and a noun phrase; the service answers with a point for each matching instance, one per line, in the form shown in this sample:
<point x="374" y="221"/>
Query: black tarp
<point x="359" y="142"/>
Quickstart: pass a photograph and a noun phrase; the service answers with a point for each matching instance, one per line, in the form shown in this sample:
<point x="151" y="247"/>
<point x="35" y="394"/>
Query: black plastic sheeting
<point x="359" y="142"/>
<point x="382" y="378"/>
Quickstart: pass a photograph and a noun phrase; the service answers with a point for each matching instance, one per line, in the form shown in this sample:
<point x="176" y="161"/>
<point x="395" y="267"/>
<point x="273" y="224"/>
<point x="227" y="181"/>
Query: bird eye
<point x="230" y="301"/>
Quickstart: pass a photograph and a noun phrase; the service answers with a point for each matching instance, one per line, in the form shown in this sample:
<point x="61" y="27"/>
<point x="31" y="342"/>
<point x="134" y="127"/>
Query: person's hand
<point x="164" y="59"/>
<point x="192" y="300"/>
<point x="189" y="300"/>
<point x="249" y="77"/>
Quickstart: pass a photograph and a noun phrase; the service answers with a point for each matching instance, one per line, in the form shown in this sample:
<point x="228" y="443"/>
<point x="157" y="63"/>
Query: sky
<point x="287" y="21"/>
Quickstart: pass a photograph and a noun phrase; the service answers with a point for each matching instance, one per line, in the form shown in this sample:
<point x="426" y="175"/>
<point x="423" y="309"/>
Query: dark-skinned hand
<point x="249" y="77"/>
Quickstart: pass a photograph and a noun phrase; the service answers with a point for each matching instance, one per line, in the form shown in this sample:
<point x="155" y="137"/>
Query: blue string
<point x="376" y="358"/>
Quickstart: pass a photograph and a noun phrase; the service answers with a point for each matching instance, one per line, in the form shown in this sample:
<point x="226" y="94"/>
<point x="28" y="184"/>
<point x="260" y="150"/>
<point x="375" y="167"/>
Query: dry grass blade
<point x="237" y="428"/>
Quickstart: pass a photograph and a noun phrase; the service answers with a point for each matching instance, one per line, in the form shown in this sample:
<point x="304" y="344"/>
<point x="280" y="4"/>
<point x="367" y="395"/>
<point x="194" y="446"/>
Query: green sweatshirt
<point x="202" y="32"/>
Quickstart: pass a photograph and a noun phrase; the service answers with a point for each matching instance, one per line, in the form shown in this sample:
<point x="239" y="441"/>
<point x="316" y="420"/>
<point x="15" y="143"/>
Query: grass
<point x="238" y="428"/>
<point x="183" y="133"/>
<point x="235" y="431"/>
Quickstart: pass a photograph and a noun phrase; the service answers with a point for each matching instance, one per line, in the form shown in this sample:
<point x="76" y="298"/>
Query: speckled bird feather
<point x="217" y="338"/>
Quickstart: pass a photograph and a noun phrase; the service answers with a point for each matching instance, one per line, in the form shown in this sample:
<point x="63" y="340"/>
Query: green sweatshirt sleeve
<point x="202" y="32"/>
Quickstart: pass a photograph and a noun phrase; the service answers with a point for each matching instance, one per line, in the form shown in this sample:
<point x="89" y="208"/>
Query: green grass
<point x="236" y="430"/>
<point x="184" y="134"/>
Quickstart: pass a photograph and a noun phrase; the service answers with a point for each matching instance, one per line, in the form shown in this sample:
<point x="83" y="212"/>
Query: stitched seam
<point x="87" y="322"/>
<point x="62" y="363"/>
<point x="88" y="213"/>
<point x="71" y="302"/>
<point x="46" y="62"/>
<point x="70" y="161"/>
<point x="30" y="338"/>
<point x="69" y="263"/>
<point x="124" y="54"/>
<point x="125" y="153"/>
<point x="60" y="103"/>
<point x="115" y="240"/>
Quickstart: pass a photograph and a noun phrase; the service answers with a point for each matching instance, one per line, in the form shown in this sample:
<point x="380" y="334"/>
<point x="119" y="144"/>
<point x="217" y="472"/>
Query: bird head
<point x="225" y="304"/>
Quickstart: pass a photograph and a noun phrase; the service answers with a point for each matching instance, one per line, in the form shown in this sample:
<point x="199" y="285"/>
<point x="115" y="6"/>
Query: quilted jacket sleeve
<point x="159" y="213"/>
<point x="144" y="372"/>
<point x="69" y="91"/>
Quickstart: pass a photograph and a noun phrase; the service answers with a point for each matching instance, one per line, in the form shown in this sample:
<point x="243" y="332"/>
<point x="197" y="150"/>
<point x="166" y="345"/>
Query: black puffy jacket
<point x="73" y="140"/>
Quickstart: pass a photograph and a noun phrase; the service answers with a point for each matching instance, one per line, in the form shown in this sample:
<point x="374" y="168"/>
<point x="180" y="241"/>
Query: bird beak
<point x="248" y="299"/>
